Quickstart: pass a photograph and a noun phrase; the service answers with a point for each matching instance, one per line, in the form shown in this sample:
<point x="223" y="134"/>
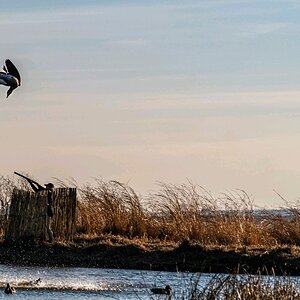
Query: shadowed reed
<point x="232" y="287"/>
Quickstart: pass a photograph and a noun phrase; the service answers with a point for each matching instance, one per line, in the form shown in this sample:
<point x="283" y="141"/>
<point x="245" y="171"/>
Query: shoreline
<point x="129" y="254"/>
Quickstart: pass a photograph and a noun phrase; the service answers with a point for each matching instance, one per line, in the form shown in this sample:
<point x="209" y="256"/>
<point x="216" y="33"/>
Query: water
<point x="91" y="283"/>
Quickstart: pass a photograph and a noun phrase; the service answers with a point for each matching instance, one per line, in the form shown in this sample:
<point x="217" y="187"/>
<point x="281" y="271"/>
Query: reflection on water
<point x="90" y="283"/>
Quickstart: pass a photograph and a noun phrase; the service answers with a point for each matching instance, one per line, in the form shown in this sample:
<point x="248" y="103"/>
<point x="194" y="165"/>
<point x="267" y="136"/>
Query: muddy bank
<point x="183" y="257"/>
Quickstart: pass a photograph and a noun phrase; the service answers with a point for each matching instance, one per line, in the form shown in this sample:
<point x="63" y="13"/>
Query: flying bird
<point x="10" y="76"/>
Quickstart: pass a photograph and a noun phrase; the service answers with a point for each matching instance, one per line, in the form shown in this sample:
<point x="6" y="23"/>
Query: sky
<point x="149" y="91"/>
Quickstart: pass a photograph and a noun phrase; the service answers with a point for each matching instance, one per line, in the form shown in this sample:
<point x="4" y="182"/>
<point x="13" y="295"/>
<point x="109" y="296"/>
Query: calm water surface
<point x="90" y="283"/>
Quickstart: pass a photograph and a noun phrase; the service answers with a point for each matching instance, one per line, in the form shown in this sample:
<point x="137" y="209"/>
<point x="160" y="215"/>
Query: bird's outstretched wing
<point x="12" y="70"/>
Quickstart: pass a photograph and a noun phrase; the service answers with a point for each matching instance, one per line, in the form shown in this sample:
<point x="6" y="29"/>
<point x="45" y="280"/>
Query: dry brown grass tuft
<point x="190" y="212"/>
<point x="180" y="212"/>
<point x="184" y="212"/>
<point x="111" y="207"/>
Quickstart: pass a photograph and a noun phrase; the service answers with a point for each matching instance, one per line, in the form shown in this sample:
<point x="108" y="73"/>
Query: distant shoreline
<point x="130" y="255"/>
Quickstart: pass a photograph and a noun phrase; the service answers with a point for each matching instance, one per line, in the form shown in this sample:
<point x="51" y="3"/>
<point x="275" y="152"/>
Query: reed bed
<point x="245" y="287"/>
<point x="184" y="212"/>
<point x="174" y="213"/>
<point x="111" y="207"/>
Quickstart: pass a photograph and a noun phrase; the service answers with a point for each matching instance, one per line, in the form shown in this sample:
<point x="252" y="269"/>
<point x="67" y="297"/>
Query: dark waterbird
<point x="162" y="291"/>
<point x="30" y="283"/>
<point x="35" y="282"/>
<point x="9" y="289"/>
<point x="10" y="76"/>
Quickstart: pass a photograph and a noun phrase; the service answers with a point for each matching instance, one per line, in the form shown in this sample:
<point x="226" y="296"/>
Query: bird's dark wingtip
<point x="12" y="69"/>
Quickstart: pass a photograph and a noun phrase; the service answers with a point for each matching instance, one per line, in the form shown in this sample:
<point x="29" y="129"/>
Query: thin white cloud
<point x="263" y="28"/>
<point x="48" y="16"/>
<point x="209" y="100"/>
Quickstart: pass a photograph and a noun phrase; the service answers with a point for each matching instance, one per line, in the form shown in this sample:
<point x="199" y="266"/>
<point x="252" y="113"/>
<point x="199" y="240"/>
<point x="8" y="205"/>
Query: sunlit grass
<point x="184" y="212"/>
<point x="174" y="213"/>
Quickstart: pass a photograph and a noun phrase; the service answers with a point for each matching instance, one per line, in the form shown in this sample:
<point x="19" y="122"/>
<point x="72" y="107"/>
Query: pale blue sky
<point x="146" y="91"/>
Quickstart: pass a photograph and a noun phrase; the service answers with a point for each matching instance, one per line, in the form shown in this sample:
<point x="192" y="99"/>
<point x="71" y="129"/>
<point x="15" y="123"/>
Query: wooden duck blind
<point x="28" y="214"/>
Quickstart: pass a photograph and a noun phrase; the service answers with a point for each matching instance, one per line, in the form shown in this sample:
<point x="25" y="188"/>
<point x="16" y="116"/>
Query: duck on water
<point x="162" y="291"/>
<point x="10" y="76"/>
<point x="9" y="289"/>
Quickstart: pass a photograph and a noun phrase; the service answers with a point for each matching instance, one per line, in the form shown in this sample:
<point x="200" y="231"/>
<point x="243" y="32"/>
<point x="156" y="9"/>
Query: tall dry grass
<point x="184" y="212"/>
<point x="111" y="207"/>
<point x="173" y="213"/>
<point x="190" y="212"/>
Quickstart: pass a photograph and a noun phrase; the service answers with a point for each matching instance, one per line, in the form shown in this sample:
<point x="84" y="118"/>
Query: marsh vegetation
<point x="174" y="213"/>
